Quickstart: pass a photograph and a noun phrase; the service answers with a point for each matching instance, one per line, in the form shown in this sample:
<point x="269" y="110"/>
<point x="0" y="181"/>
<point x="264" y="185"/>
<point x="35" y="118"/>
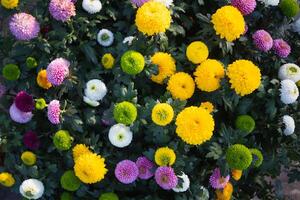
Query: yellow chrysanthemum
<point x="209" y="74"/>
<point x="181" y="85"/>
<point x="244" y="76"/>
<point x="108" y="61"/>
<point x="207" y="106"/>
<point x="90" y="168"/>
<point x="162" y="114"/>
<point x="166" y="66"/>
<point x="28" y="158"/>
<point x="197" y="52"/>
<point x="42" y="80"/>
<point x="9" y="4"/>
<point x="6" y="179"/>
<point x="236" y="174"/>
<point x="153" y="18"/>
<point x="229" y="23"/>
<point x="226" y="193"/>
<point x="194" y="125"/>
<point x="79" y="150"/>
<point x="165" y="156"/>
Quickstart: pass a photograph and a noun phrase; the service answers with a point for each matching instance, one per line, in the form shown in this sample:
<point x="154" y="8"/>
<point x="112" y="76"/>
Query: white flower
<point x="95" y="90"/>
<point x="289" y="125"/>
<point x="120" y="135"/>
<point x="184" y="185"/>
<point x="270" y="2"/>
<point x="91" y="6"/>
<point x="167" y="3"/>
<point x="32" y="189"/>
<point x="105" y="37"/>
<point x="90" y="102"/>
<point x="128" y="40"/>
<point x="289" y="71"/>
<point x="296" y="25"/>
<point x="289" y="92"/>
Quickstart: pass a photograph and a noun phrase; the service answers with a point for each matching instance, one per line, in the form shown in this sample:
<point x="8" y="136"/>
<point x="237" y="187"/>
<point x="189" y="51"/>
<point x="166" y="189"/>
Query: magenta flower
<point x="138" y="3"/>
<point x="145" y="167"/>
<point x="217" y="181"/>
<point x="24" y="102"/>
<point x="62" y="10"/>
<point x="245" y="6"/>
<point x="57" y="71"/>
<point x="19" y="116"/>
<point x="31" y="140"/>
<point x="262" y="40"/>
<point x="281" y="48"/>
<point x="126" y="171"/>
<point x="54" y="112"/>
<point x="166" y="178"/>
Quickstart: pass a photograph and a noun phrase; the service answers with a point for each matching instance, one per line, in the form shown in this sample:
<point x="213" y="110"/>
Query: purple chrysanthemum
<point x="24" y="102"/>
<point x="54" y="112"/>
<point x="166" y="178"/>
<point x="19" y="116"/>
<point x="281" y="48"/>
<point x="2" y="90"/>
<point x="57" y="71"/>
<point x="217" y="181"/>
<point x="24" y="26"/>
<point x="31" y="140"/>
<point x="126" y="171"/>
<point x="145" y="167"/>
<point x="245" y="6"/>
<point x="62" y="10"/>
<point x="262" y="40"/>
<point x="138" y="3"/>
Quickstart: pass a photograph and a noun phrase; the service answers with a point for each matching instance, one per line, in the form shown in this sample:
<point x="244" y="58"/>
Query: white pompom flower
<point x="105" y="37"/>
<point x="270" y="2"/>
<point x="128" y="40"/>
<point x="288" y="92"/>
<point x="167" y="3"/>
<point x="95" y="90"/>
<point x="92" y="6"/>
<point x="184" y="184"/>
<point x="289" y="71"/>
<point x="289" y="125"/>
<point x="120" y="135"/>
<point x="32" y="189"/>
<point x="91" y="102"/>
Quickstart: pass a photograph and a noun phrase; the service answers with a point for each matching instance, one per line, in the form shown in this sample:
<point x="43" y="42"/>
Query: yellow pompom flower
<point x="209" y="74"/>
<point x="153" y="18"/>
<point x="165" y="156"/>
<point x="90" y="168"/>
<point x="194" y="125"/>
<point x="42" y="80"/>
<point x="28" y="158"/>
<point x="207" y="106"/>
<point x="229" y="23"/>
<point x="197" y="52"/>
<point x="162" y="114"/>
<point x="226" y="193"/>
<point x="166" y="66"/>
<point x="181" y="86"/>
<point x="236" y="174"/>
<point x="6" y="179"/>
<point x="79" y="150"/>
<point x="108" y="61"/>
<point x="9" y="4"/>
<point x="244" y="76"/>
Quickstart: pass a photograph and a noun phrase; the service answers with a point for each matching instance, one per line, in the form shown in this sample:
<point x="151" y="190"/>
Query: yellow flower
<point x="165" y="156"/>
<point x="166" y="66"/>
<point x="194" y="125"/>
<point x="108" y="61"/>
<point x="79" y="150"/>
<point x="162" y="114"/>
<point x="90" y="168"/>
<point x="209" y="75"/>
<point x="153" y="18"/>
<point x="9" y="4"/>
<point x="181" y="85"/>
<point x="226" y="193"/>
<point x="6" y="179"/>
<point x="236" y="174"/>
<point x="244" y="77"/>
<point x="197" y="52"/>
<point x="42" y="80"/>
<point x="229" y="23"/>
<point x="28" y="158"/>
<point x="207" y="106"/>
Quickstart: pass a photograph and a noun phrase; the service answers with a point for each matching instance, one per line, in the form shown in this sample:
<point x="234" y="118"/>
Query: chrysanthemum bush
<point x="155" y="99"/>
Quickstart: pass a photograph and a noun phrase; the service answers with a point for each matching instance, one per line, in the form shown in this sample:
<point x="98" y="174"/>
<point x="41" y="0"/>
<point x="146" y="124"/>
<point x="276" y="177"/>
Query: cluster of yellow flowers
<point x="9" y="4"/>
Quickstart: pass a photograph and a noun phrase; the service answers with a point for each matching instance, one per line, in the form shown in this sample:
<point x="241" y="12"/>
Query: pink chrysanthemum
<point x="24" y="102"/>
<point x="57" y="71"/>
<point x="166" y="178"/>
<point x="245" y="6"/>
<point x="31" y="140"/>
<point x="19" y="116"/>
<point x="24" y="26"/>
<point x="62" y="10"/>
<point x="262" y="40"/>
<point x="126" y="171"/>
<point x="138" y="3"/>
<point x="145" y="167"/>
<point x="217" y="181"/>
<point x="54" y="112"/>
<point x="281" y="48"/>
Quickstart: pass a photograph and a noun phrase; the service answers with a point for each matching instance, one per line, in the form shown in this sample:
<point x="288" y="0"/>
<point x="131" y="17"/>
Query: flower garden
<point x="148" y="99"/>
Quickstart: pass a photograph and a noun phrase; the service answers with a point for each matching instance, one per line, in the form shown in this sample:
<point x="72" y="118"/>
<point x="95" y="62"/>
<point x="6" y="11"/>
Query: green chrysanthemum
<point x="62" y="140"/>
<point x="40" y="104"/>
<point x="238" y="157"/>
<point x="69" y="181"/>
<point x="132" y="62"/>
<point x="245" y="123"/>
<point x="109" y="196"/>
<point x="11" y="72"/>
<point x="66" y="196"/>
<point x="125" y="113"/>
<point x="257" y="157"/>
<point x="290" y="8"/>
<point x="31" y="63"/>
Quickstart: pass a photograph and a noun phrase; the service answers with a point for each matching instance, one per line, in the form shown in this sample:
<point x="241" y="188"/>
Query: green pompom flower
<point x="69" y="181"/>
<point x="62" y="140"/>
<point x="132" y="62"/>
<point x="11" y="72"/>
<point x="31" y="63"/>
<point x="290" y="8"/>
<point x="125" y="113"/>
<point x="66" y="196"/>
<point x="40" y="104"/>
<point x="245" y="123"/>
<point x="238" y="157"/>
<point x="257" y="157"/>
<point x="109" y="196"/>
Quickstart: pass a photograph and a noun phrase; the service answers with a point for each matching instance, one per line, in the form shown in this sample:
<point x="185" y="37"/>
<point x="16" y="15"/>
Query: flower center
<point x="162" y="115"/>
<point x="120" y="136"/>
<point x="104" y="37"/>
<point x="164" y="179"/>
<point x="292" y="70"/>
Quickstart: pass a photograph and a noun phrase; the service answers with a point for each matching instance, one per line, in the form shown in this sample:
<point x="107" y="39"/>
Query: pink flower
<point x="54" y="112"/>
<point x="217" y="181"/>
<point x="62" y="10"/>
<point x="19" y="116"/>
<point x="145" y="167"/>
<point x="57" y="71"/>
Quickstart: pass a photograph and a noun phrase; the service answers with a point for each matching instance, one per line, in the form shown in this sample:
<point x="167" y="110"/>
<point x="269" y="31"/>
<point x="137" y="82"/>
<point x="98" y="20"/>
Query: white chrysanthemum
<point x="167" y="3"/>
<point x="32" y="189"/>
<point x="184" y="184"/>
<point x="289" y="92"/>
<point x="296" y="26"/>
<point x="270" y="2"/>
<point x="289" y="125"/>
<point x="95" y="90"/>
<point x="120" y="135"/>
<point x="128" y="40"/>
<point x="92" y="6"/>
<point x="105" y="37"/>
<point x="289" y="71"/>
<point x="90" y="102"/>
